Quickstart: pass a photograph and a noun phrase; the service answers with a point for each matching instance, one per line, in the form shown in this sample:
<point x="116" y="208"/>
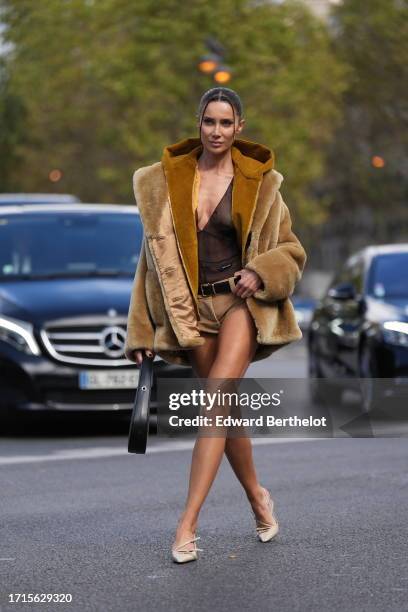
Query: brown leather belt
<point x="223" y="286"/>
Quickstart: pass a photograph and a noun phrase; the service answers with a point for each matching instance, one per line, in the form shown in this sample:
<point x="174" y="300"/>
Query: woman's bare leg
<point x="228" y="358"/>
<point x="201" y="359"/>
<point x="239" y="450"/>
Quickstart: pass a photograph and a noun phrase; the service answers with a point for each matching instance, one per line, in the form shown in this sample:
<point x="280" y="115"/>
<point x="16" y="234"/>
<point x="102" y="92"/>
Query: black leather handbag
<point x="139" y="422"/>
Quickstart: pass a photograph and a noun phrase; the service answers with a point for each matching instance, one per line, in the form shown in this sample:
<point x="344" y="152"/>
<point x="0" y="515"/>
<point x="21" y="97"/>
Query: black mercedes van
<point x="66" y="274"/>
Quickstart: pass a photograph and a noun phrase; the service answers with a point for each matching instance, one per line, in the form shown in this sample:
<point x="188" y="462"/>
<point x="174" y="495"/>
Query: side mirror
<point x="342" y="291"/>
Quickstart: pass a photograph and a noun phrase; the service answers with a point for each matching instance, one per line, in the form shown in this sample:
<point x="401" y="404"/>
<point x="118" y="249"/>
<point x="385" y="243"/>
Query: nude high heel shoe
<point x="182" y="556"/>
<point x="267" y="531"/>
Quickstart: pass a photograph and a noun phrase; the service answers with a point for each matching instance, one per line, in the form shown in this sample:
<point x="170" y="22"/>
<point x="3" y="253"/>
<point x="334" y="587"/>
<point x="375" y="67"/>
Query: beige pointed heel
<point x="183" y="556"/>
<point x="267" y="531"/>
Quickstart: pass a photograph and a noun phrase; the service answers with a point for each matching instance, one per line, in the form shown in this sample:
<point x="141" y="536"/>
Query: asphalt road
<point x="79" y="515"/>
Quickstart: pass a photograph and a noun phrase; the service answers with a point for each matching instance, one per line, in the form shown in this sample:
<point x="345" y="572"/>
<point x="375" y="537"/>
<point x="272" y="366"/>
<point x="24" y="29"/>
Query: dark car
<point x="359" y="329"/>
<point x="304" y="307"/>
<point x="65" y="284"/>
<point x="9" y="199"/>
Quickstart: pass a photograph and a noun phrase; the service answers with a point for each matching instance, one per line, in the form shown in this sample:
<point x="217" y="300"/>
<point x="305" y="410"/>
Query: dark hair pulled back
<point x="220" y="94"/>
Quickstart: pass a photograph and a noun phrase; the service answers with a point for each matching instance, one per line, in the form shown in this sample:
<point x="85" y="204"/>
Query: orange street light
<point x="222" y="74"/>
<point x="377" y="161"/>
<point x="55" y="175"/>
<point x="208" y="63"/>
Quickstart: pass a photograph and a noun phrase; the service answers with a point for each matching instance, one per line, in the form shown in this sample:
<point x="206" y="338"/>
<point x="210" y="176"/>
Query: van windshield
<point x="48" y="245"/>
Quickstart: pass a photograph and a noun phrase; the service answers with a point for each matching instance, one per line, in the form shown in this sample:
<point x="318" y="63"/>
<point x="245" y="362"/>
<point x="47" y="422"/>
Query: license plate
<point x="110" y="379"/>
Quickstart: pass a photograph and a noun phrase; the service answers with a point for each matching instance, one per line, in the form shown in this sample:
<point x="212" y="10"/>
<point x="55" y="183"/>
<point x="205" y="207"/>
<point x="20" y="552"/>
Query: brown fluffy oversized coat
<point x="163" y="309"/>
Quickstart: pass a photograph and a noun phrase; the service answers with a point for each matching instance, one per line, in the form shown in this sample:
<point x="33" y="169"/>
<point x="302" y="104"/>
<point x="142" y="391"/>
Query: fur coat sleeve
<point x="140" y="328"/>
<point x="280" y="267"/>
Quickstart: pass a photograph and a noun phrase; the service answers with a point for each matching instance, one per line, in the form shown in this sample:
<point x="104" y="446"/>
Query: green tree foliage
<point x="11" y="130"/>
<point x="372" y="39"/>
<point x="106" y="84"/>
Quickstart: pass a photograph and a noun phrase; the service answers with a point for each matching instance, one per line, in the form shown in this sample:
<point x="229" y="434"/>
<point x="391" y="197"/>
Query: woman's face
<point x="217" y="127"/>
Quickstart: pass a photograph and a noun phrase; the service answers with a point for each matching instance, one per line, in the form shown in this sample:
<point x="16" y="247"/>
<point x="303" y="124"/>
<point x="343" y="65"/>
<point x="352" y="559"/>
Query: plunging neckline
<point x="208" y="220"/>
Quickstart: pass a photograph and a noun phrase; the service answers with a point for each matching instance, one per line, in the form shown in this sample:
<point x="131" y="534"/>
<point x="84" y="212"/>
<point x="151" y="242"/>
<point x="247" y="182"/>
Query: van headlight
<point x="395" y="332"/>
<point x="19" y="334"/>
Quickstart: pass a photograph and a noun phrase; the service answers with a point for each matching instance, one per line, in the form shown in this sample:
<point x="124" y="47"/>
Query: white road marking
<point x="103" y="452"/>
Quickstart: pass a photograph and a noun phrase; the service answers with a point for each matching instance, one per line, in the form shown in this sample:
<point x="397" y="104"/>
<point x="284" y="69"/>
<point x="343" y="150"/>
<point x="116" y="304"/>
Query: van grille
<point x="86" y="340"/>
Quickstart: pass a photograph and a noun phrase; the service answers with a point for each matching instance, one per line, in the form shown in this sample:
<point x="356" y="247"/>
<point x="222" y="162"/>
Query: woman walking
<point x="218" y="263"/>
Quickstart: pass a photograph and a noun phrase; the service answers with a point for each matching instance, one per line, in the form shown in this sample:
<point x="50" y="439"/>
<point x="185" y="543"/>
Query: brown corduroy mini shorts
<point x="214" y="308"/>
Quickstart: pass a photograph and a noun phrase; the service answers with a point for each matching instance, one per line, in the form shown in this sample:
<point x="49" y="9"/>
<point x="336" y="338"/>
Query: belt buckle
<point x="217" y="283"/>
<point x="207" y="285"/>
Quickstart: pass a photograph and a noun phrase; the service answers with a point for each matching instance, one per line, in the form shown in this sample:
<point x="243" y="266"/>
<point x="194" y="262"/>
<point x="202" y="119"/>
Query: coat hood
<point x="252" y="164"/>
<point x="253" y="159"/>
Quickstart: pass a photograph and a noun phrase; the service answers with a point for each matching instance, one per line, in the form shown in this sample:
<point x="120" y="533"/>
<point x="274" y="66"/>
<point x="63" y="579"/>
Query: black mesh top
<point x="219" y="255"/>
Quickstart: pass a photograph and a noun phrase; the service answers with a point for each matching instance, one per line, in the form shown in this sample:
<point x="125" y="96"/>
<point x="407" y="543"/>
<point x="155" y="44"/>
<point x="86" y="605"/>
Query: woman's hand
<point x="249" y="282"/>
<point x="138" y="355"/>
